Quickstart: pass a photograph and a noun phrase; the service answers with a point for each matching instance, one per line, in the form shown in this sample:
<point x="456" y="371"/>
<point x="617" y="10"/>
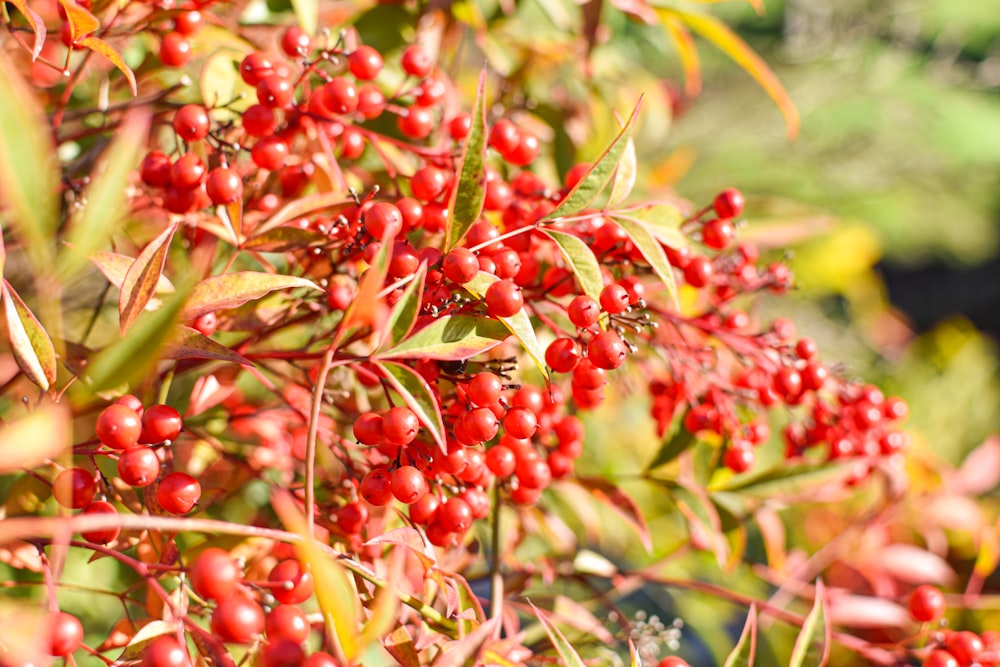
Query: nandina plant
<point x="332" y="275"/>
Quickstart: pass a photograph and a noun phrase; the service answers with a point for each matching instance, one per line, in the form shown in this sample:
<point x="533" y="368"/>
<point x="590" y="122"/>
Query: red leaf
<point x="231" y="290"/>
<point x="859" y="611"/>
<point x="467" y="650"/>
<point x="980" y="471"/>
<point x="35" y="22"/>
<point x="32" y="347"/>
<point x="101" y="47"/>
<point x="142" y="278"/>
<point x="192" y="344"/>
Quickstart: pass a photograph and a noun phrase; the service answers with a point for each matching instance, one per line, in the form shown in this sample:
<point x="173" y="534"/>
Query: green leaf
<point x="231" y="290"/>
<point x="581" y="261"/>
<point x="812" y="646"/>
<point x="30" y="343"/>
<point x="28" y="168"/>
<point x="282" y="239"/>
<point x="104" y="199"/>
<point x="788" y="479"/>
<point x="744" y="651"/>
<point x="734" y="532"/>
<point x="597" y="177"/>
<point x="624" y="178"/>
<point x="518" y="324"/>
<point x="127" y="361"/>
<point x="35" y="22"/>
<point x="338" y="598"/>
<point x="307" y="14"/>
<point x="192" y="344"/>
<point x="101" y="47"/>
<point x="654" y="254"/>
<point x="609" y="494"/>
<point x="673" y="446"/>
<point x="418" y="396"/>
<point x="570" y="658"/>
<point x="468" y="197"/>
<point x="663" y="221"/>
<point x="142" y="277"/>
<point x="404" y="314"/>
<point x="450" y="338"/>
<point x="368" y="307"/>
<point x="115" y="266"/>
<point x="727" y="41"/>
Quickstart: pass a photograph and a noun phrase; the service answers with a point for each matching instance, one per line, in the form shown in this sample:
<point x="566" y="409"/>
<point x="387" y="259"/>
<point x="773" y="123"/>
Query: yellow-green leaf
<point x="101" y="47"/>
<point x="114" y="267"/>
<point x="404" y="313"/>
<point x="581" y="261"/>
<point x="337" y="596"/>
<point x="142" y="278"/>
<point x="570" y="658"/>
<point x="624" y="179"/>
<point x="687" y="52"/>
<point x="469" y="195"/>
<point x="28" y="441"/>
<point x="30" y="343"/>
<point x="812" y="646"/>
<point x="746" y="648"/>
<point x="450" y="338"/>
<point x="307" y="14"/>
<point x="418" y="396"/>
<point x="727" y="41"/>
<point x="651" y="249"/>
<point x="231" y="290"/>
<point x="81" y="22"/>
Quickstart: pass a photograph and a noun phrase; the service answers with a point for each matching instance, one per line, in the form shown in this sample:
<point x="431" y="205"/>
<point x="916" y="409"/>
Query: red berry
<point x="527" y="149"/>
<point x="224" y="186"/>
<point x="939" y="658"/>
<point x="371" y="101"/>
<point x="607" y="350"/>
<point x="454" y="515"/>
<point x="460" y="126"/>
<point x="282" y="653"/>
<point x="485" y="388"/>
<point x="425" y="509"/>
<point x="270" y="152"/>
<point x="429" y="182"/>
<point x="926" y="603"/>
<point x="562" y="356"/>
<point x="584" y="311"/>
<point x="340" y="95"/>
<point x="295" y="42"/>
<point x="178" y="492"/>
<point x="504" y="136"/>
<point x="376" y="487"/>
<point x="400" y="425"/>
<point x="788" y="383"/>
<point x="415" y="122"/>
<point x="74" y="488"/>
<point x="287" y="621"/>
<point x="298" y="582"/>
<point x="365" y="63"/>
<point x="155" y="169"/>
<point x="728" y="203"/>
<point x="259" y="120"/>
<point x="238" y="619"/>
<point x="187" y="172"/>
<point x="160" y="423"/>
<point x="321" y="660"/>
<point x="504" y="299"/>
<point x="416" y="61"/>
<point x="275" y="91"/>
<point x="65" y="634"/>
<point x="165" y="651"/>
<point x="138" y="466"/>
<point x="965" y="646"/>
<point x="188" y="23"/>
<point x="501" y="460"/>
<point x="699" y="271"/>
<point x="588" y="376"/>
<point x="352" y="143"/>
<point x="214" y="574"/>
<point x="352" y="517"/>
<point x="368" y="428"/>
<point x="408" y="484"/>
<point x="383" y="220"/>
<point x="520" y="423"/>
<point x="533" y="473"/>
<point x="738" y="458"/>
<point x="100" y="535"/>
<point x="255" y="67"/>
<point x="718" y="234"/>
<point x="191" y="122"/>
<point x="175" y="50"/>
<point x="672" y="661"/>
<point x="460" y="265"/>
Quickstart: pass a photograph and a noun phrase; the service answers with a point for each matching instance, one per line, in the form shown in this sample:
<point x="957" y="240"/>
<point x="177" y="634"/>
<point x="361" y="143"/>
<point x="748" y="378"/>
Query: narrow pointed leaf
<point x="3" y="254"/>
<point x="450" y="338"/>
<point x="651" y="249"/>
<point x="625" y="174"/>
<point x="758" y="5"/>
<point x="581" y="261"/>
<point x="127" y="361"/>
<point x="234" y="213"/>
<point x="141" y="279"/>
<point x="109" y="52"/>
<point x="404" y="313"/>
<point x="673" y="446"/>
<point x="114" y="267"/>
<point x="30" y="343"/>
<point x="597" y="177"/>
<point x="687" y="53"/>
<point x="469" y="195"/>
<point x="331" y="202"/>
<point x="192" y="344"/>
<point x="386" y="607"/>
<point x="81" y="22"/>
<point x="367" y="309"/>
<point x="727" y="41"/>
<point x="281" y="239"/>
<point x="812" y="646"/>
<point x="609" y="494"/>
<point x="28" y="168"/>
<point x="35" y="22"/>
<point x="418" y="396"/>
<point x="91" y="226"/>
<point x="663" y="220"/>
<point x="746" y="648"/>
<point x="465" y="652"/>
<point x="307" y="14"/>
<point x="570" y="658"/>
<point x="231" y="290"/>
<point x="518" y="324"/>
<point x="337" y="596"/>
<point x="48" y="429"/>
<point x="788" y="480"/>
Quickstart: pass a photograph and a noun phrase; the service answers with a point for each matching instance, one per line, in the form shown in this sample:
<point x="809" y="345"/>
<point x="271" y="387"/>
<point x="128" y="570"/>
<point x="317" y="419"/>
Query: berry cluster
<point x="951" y="648"/>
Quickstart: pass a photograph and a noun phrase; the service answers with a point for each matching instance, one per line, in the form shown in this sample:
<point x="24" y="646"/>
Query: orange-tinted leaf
<point x="367" y="308"/>
<point x="623" y="505"/>
<point x="304" y="206"/>
<point x="101" y="47"/>
<point x="142" y="278"/>
<point x="231" y="290"/>
<point x="723" y="37"/>
<point x="418" y="396"/>
<point x="192" y="344"/>
<point x="114" y="267"/>
<point x="47" y="429"/>
<point x="812" y="646"/>
<point x="36" y="23"/>
<point x="466" y="651"/>
<point x="400" y="646"/>
<point x="746" y="648"/>
<point x="570" y="658"/>
<point x="688" y="54"/>
<point x="81" y="21"/>
<point x="32" y="347"/>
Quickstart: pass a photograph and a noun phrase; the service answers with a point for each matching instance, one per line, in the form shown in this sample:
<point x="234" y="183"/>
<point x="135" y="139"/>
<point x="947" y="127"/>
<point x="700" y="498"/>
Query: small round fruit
<point x="408" y="484"/>
<point x="400" y="425"/>
<point x="100" y="535"/>
<point x="175" y="50"/>
<point x="607" y="350"/>
<point x="416" y="61"/>
<point x="224" y="186"/>
<point x="376" y="487"/>
<point x="138" y="466"/>
<point x="287" y="621"/>
<point x="118" y="427"/>
<point x="178" y="492"/>
<point x="165" y="651"/>
<point x="65" y="634"/>
<point x="460" y="265"/>
<point x="504" y="298"/>
<point x="296" y="579"/>
<point x="74" y="488"/>
<point x="238" y="619"/>
<point x="728" y="203"/>
<point x="925" y="604"/>
<point x="160" y="423"/>
<point x="214" y="574"/>
<point x="365" y="62"/>
<point x="191" y="122"/>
